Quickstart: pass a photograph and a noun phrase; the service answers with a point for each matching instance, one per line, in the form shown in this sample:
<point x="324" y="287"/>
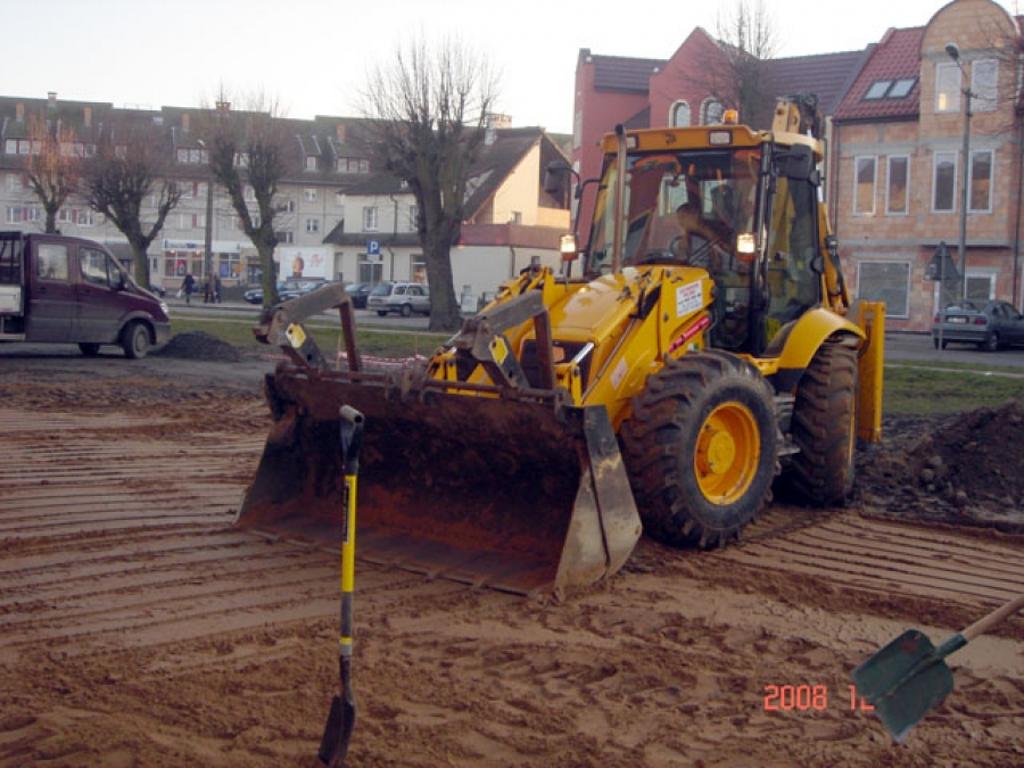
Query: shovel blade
<point x="337" y="732"/>
<point x="903" y="681"/>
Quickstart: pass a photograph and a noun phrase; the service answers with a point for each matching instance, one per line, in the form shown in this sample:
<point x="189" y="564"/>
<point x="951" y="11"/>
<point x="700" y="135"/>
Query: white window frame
<point x="984" y="273"/>
<point x="672" y="114"/>
<point x="935" y="173"/>
<point x="339" y="199"/>
<point x="371" y="218"/>
<point x="991" y="179"/>
<point x="910" y="269"/>
<point x="310" y="162"/>
<point x="309" y="194"/>
<point x="312" y="226"/>
<point x="705" y="107"/>
<point x="856" y="183"/>
<point x="984" y="102"/>
<point x="954" y="102"/>
<point x="888" y="186"/>
<point x="414" y="212"/>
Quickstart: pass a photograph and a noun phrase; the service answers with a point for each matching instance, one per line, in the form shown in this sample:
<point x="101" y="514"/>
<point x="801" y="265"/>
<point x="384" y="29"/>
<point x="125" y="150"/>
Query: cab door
<point x="99" y="311"/>
<point x="51" y="303"/>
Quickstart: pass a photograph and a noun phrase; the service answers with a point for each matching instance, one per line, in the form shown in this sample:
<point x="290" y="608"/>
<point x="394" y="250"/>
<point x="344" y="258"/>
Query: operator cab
<point x="747" y="215"/>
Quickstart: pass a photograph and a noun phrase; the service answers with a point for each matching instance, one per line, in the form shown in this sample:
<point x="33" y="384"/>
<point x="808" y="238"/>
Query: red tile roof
<point x="827" y="75"/>
<point x="622" y="73"/>
<point x="896" y="57"/>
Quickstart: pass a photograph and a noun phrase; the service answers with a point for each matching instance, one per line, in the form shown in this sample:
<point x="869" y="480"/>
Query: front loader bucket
<point x="508" y="493"/>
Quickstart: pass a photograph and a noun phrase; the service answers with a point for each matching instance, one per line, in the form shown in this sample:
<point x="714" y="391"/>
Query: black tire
<point x="135" y="341"/>
<point x="945" y="343"/>
<point x="991" y="343"/>
<point x="662" y="441"/>
<point x="824" y="426"/>
<point x="89" y="349"/>
<point x="381" y="313"/>
<point x="406" y="310"/>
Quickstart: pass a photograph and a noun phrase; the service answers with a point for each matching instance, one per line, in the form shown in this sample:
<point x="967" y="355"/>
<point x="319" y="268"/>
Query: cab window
<point x="95" y="267"/>
<point x="793" y="284"/>
<point x="52" y="262"/>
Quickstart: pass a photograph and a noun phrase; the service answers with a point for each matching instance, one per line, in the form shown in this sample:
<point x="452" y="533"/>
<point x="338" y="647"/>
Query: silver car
<point x="403" y="298"/>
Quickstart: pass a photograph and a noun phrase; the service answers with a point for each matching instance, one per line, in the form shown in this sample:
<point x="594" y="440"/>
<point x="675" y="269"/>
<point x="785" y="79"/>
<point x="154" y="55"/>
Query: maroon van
<point x="69" y="290"/>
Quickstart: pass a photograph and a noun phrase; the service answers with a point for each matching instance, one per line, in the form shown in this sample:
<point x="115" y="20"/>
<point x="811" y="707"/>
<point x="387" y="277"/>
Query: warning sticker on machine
<point x="689" y="298"/>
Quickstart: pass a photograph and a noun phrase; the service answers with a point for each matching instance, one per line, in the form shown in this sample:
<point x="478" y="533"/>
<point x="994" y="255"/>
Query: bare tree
<point x="748" y="38"/>
<point x="249" y="148"/>
<point x="738" y="76"/>
<point x="131" y="161"/>
<point x="428" y="111"/>
<point x="52" y="172"/>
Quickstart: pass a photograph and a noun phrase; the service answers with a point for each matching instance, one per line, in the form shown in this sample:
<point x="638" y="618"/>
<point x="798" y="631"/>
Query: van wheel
<point x="135" y="341"/>
<point x="406" y="310"/>
<point x="89" y="349"/>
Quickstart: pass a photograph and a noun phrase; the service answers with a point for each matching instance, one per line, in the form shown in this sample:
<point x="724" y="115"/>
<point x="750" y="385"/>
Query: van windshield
<point x="382" y="289"/>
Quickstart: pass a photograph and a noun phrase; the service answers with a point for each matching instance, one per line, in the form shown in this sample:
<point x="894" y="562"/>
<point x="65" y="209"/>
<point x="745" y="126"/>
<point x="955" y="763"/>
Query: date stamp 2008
<point x="804" y="698"/>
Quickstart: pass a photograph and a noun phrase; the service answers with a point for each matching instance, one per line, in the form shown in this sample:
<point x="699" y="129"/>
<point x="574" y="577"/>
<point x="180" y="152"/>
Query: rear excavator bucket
<point x="501" y="487"/>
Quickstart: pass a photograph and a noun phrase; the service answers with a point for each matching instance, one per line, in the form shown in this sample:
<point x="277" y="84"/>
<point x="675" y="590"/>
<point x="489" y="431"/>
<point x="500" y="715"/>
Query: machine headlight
<point x="745" y="242"/>
<point x="163" y="308"/>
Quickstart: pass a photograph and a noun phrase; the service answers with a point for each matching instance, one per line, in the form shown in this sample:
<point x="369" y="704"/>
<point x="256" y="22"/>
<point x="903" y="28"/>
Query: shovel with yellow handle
<point x="908" y="677"/>
<point x="342" y="717"/>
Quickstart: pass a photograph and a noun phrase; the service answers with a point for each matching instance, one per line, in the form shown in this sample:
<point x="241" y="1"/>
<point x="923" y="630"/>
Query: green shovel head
<point x="904" y="680"/>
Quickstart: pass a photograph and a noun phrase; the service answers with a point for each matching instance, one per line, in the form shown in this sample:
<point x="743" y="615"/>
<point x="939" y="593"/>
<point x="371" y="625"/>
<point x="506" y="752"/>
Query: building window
<point x="289" y="206"/>
<point x="11" y="147"/>
<point x="981" y="286"/>
<point x="371" y="272"/>
<point x="309" y="195"/>
<point x="980" y="193"/>
<point x="864" y="186"/>
<point x="364" y="166"/>
<point x="887" y="281"/>
<point x="679" y="114"/>
<point x="18" y="214"/>
<point x="414" y="218"/>
<point x="370" y="218"/>
<point x="711" y="112"/>
<point x="312" y="225"/>
<point x="84" y="217"/>
<point x="984" y="82"/>
<point x="897" y="189"/>
<point x="878" y="89"/>
<point x="947" y="87"/>
<point x="901" y="88"/>
<point x="310" y="163"/>
<point x="944" y="182"/>
<point x="285" y="238"/>
<point x="339" y="199"/>
<point x="417" y="268"/>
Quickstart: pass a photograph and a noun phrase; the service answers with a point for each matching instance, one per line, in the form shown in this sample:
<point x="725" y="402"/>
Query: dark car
<point x="990" y="325"/>
<point x="359" y="293"/>
<point x="294" y="287"/>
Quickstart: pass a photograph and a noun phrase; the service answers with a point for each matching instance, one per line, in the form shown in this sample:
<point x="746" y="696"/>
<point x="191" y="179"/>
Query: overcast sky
<point x="315" y="54"/>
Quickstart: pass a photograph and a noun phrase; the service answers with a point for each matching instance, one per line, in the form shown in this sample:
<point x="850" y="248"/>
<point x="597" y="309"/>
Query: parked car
<point x="286" y="289"/>
<point x="403" y="298"/>
<point x="299" y="287"/>
<point x="71" y="290"/>
<point x="990" y="325"/>
<point x="359" y="292"/>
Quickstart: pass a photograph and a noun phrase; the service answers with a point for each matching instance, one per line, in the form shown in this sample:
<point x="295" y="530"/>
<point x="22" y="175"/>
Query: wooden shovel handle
<point x="985" y="623"/>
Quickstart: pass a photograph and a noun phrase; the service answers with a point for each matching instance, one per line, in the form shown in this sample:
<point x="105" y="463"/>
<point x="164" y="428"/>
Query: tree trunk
<point x="140" y="267"/>
<point x="269" y="269"/>
<point x="444" y="309"/>
<point x="51" y="221"/>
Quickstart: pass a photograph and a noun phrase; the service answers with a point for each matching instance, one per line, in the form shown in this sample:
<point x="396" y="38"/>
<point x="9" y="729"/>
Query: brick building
<point x="898" y="163"/>
<point x="677" y="91"/>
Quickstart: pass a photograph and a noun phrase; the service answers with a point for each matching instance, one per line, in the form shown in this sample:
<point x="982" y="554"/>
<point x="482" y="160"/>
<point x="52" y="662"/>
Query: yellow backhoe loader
<point x="708" y="345"/>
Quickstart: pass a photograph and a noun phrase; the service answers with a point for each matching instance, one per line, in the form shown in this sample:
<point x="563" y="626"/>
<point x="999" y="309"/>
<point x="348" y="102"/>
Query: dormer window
<point x="310" y="163"/>
<point x="890" y="89"/>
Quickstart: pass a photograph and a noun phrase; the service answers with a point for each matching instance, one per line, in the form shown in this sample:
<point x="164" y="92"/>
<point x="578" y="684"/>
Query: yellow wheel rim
<point x="728" y="453"/>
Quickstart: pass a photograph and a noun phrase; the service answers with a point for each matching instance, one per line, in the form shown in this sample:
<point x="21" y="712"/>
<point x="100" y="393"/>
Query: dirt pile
<point x="196" y="345"/>
<point x="966" y="469"/>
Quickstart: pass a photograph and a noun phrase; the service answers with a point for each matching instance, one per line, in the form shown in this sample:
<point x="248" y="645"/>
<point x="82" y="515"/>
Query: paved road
<point x="242" y="310"/>
<point x="919" y="347"/>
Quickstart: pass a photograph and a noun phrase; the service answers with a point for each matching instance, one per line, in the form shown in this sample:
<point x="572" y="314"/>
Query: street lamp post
<point x="954" y="53"/>
<point x="208" y="234"/>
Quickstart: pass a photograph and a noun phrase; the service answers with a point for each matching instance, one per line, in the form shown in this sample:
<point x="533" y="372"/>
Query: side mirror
<point x="553" y="174"/>
<point x="122" y="281"/>
<point x="797" y="163"/>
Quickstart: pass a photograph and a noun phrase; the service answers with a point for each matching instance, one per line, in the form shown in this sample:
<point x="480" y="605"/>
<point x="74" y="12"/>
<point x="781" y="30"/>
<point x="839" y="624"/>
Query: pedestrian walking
<point x="216" y="288"/>
<point x="187" y="286"/>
